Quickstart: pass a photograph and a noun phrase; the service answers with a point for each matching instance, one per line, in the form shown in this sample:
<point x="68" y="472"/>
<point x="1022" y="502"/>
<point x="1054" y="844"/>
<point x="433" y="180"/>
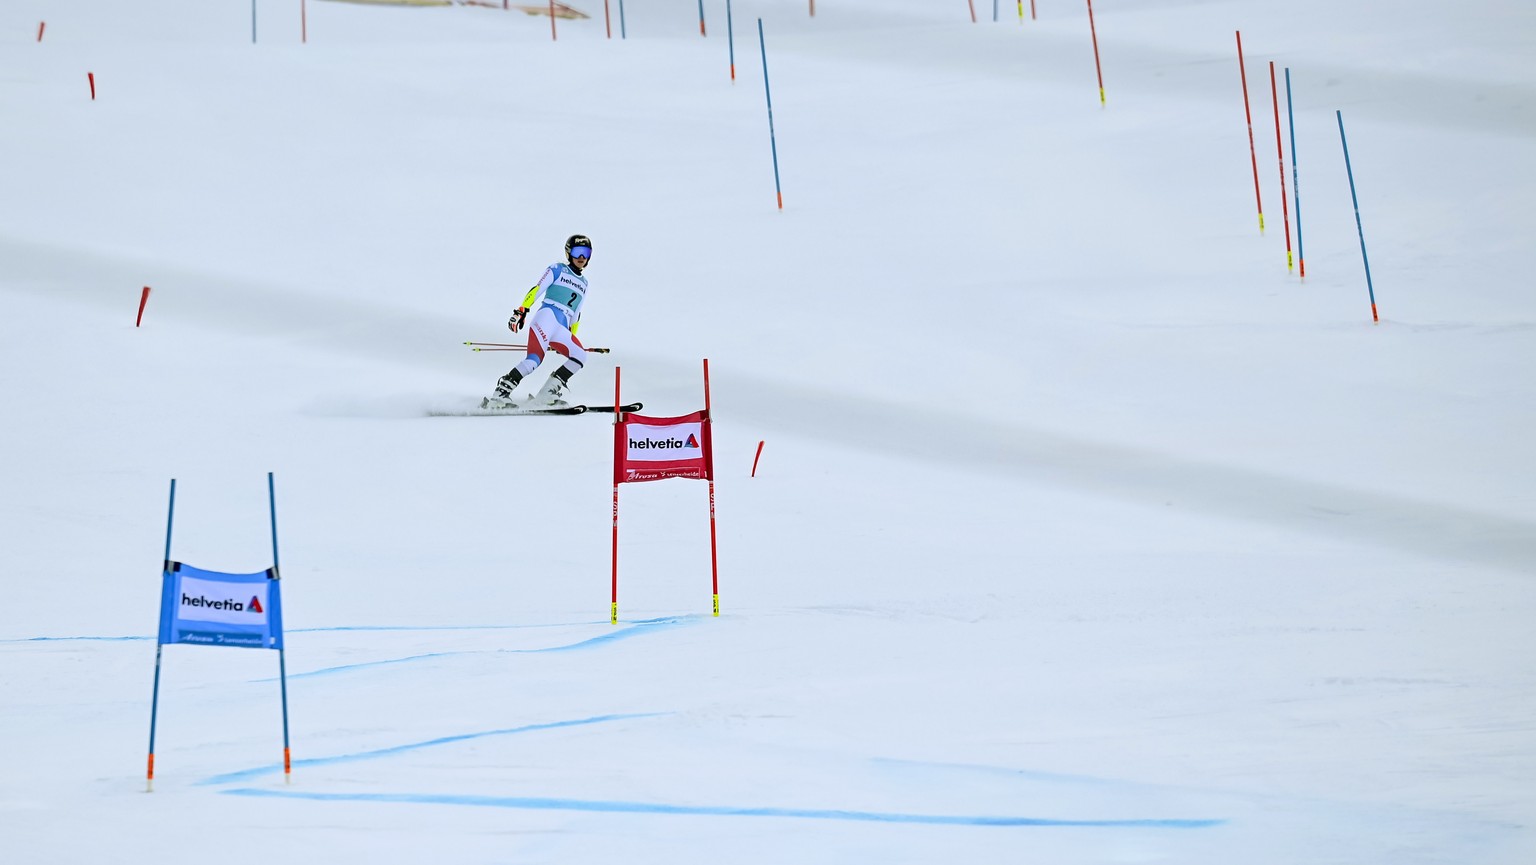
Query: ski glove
<point x="515" y="323"/>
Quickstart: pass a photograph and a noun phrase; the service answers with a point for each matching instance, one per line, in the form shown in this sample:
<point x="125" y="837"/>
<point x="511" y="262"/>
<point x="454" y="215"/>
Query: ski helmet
<point x="574" y="241"/>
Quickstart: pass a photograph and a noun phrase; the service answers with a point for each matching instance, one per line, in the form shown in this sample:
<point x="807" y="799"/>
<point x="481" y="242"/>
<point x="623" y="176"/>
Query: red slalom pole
<point x="1253" y="155"/>
<point x="1096" y="66"/>
<point x="613" y="604"/>
<point x="714" y="558"/>
<point x="143" y="299"/>
<point x="41" y="25"/>
<point x="973" y="10"/>
<point x="607" y="20"/>
<point x="756" y="458"/>
<point x="1285" y="203"/>
<point x="552" y="36"/>
<point x="91" y="77"/>
<point x="304" y="21"/>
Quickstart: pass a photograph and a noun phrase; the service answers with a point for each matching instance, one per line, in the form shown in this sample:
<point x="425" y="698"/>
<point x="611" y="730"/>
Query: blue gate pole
<point x="772" y="140"/>
<point x="154" y="700"/>
<point x="1301" y="255"/>
<point x="730" y="39"/>
<point x="1356" y="199"/>
<point x="282" y="664"/>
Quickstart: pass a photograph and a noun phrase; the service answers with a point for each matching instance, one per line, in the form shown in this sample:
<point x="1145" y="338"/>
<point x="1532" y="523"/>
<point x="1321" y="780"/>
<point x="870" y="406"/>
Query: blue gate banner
<point x="210" y="608"/>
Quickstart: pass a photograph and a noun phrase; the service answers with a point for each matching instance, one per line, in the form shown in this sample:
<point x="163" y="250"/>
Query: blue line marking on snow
<point x="72" y="639"/>
<point x="248" y="774"/>
<point x="644" y="626"/>
<point x="667" y="620"/>
<point x="612" y="807"/>
<point x="326" y="671"/>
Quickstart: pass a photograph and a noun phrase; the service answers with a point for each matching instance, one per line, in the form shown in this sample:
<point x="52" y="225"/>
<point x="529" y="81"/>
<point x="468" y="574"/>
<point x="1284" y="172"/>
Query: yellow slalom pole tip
<point x="613" y="614"/>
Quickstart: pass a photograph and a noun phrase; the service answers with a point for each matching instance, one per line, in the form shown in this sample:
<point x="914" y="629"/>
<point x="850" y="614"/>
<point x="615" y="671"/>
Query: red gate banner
<point x="656" y="448"/>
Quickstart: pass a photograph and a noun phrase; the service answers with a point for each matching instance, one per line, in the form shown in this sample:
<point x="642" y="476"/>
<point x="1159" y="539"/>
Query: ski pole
<point x="510" y="346"/>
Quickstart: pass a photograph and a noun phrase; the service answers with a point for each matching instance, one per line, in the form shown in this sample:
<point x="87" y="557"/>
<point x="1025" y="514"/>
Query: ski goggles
<point x="581" y="252"/>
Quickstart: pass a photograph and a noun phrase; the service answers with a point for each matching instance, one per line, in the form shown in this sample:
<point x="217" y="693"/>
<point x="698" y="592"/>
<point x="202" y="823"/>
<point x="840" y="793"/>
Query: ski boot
<point x="502" y="398"/>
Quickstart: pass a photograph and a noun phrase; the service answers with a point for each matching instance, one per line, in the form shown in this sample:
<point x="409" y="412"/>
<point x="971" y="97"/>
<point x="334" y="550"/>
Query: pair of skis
<point x="493" y="408"/>
<point x="489" y="408"/>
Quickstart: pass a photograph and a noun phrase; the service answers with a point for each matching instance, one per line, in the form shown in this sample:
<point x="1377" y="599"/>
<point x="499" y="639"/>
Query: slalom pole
<point x="154" y="701"/>
<point x="1301" y="255"/>
<point x="730" y="39"/>
<point x="1376" y="319"/>
<point x="143" y="299"/>
<point x="772" y="140"/>
<point x="1021" y="12"/>
<point x="714" y="557"/>
<point x="973" y="10"/>
<point x="622" y="33"/>
<point x="607" y="20"/>
<point x="613" y="606"/>
<point x="514" y="346"/>
<point x="253" y="22"/>
<point x="994" y="11"/>
<point x="701" y="18"/>
<point x="1097" y="68"/>
<point x="1031" y="10"/>
<point x="304" y="21"/>
<point x="552" y="36"/>
<point x="1253" y="154"/>
<point x="1285" y="203"/>
<point x="282" y="664"/>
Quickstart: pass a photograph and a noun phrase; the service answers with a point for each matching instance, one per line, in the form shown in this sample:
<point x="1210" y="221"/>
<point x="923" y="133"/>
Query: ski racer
<point x="557" y="303"/>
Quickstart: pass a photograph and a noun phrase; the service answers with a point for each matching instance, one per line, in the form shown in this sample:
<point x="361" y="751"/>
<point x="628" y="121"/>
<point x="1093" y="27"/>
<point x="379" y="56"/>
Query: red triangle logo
<point x="255" y="605"/>
<point x="692" y="442"/>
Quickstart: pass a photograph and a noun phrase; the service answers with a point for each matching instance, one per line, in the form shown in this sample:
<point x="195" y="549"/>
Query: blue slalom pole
<point x="1356" y="199"/>
<point x="730" y="39"/>
<point x="701" y="17"/>
<point x="772" y="140"/>
<point x="1301" y="255"/>
<point x="622" y="34"/>
<point x="282" y="664"/>
<point x="154" y="700"/>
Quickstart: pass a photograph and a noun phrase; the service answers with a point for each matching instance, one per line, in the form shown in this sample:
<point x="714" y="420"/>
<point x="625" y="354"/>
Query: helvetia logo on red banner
<point x="255" y="605"/>
<point x="646" y="444"/>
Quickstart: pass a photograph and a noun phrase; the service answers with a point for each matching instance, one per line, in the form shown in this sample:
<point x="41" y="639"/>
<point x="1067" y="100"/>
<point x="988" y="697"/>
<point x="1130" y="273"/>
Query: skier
<point x="557" y="303"/>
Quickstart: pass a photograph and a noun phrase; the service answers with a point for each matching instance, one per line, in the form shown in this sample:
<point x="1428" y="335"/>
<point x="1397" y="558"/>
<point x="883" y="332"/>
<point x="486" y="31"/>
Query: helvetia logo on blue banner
<point x="208" y="601"/>
<point x="217" y="609"/>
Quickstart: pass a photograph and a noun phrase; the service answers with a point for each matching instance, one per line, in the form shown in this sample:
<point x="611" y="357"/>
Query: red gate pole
<point x="1253" y="154"/>
<point x="1096" y="67"/>
<point x="1285" y="203"/>
<point x="613" y="607"/>
<point x="714" y="558"/>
